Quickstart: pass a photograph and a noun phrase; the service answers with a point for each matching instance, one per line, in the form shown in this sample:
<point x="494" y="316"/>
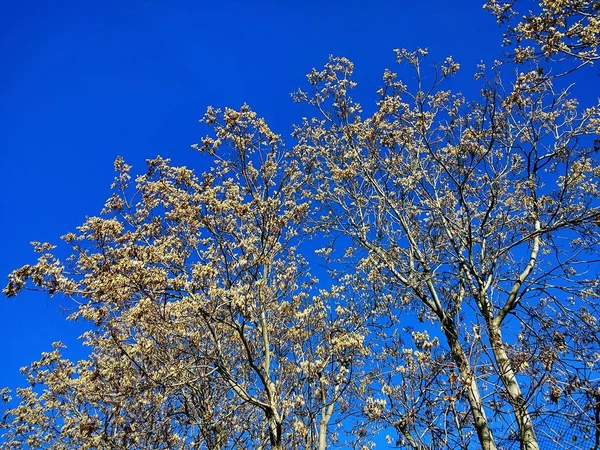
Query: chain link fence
<point x="574" y="428"/>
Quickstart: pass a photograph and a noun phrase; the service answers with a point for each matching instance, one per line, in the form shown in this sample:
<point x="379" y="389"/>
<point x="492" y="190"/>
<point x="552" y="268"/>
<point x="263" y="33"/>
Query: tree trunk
<point x="484" y="433"/>
<point x="509" y="380"/>
<point x="322" y="434"/>
<point x="275" y="430"/>
<point x="403" y="431"/>
<point x="326" y="412"/>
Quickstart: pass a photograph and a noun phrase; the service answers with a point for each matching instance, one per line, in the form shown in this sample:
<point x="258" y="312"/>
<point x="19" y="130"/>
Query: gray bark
<point x="484" y="433"/>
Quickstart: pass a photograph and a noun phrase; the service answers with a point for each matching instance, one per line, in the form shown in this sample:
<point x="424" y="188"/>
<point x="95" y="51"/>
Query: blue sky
<point x="83" y="82"/>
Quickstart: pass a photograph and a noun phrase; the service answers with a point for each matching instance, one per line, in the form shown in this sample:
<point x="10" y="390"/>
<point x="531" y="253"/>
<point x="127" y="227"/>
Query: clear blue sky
<point x="82" y="82"/>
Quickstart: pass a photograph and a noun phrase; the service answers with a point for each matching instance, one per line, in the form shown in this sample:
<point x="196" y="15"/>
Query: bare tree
<point x="481" y="216"/>
<point x="207" y="330"/>
<point x="461" y="235"/>
<point x="550" y="29"/>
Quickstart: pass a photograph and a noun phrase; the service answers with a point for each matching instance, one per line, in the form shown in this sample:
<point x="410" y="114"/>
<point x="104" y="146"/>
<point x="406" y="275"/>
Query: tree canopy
<point x="451" y="302"/>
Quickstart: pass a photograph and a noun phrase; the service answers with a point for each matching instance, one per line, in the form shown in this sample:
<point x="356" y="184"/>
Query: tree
<point x="567" y="29"/>
<point x="204" y="326"/>
<point x="461" y="237"/>
<point x="469" y="212"/>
